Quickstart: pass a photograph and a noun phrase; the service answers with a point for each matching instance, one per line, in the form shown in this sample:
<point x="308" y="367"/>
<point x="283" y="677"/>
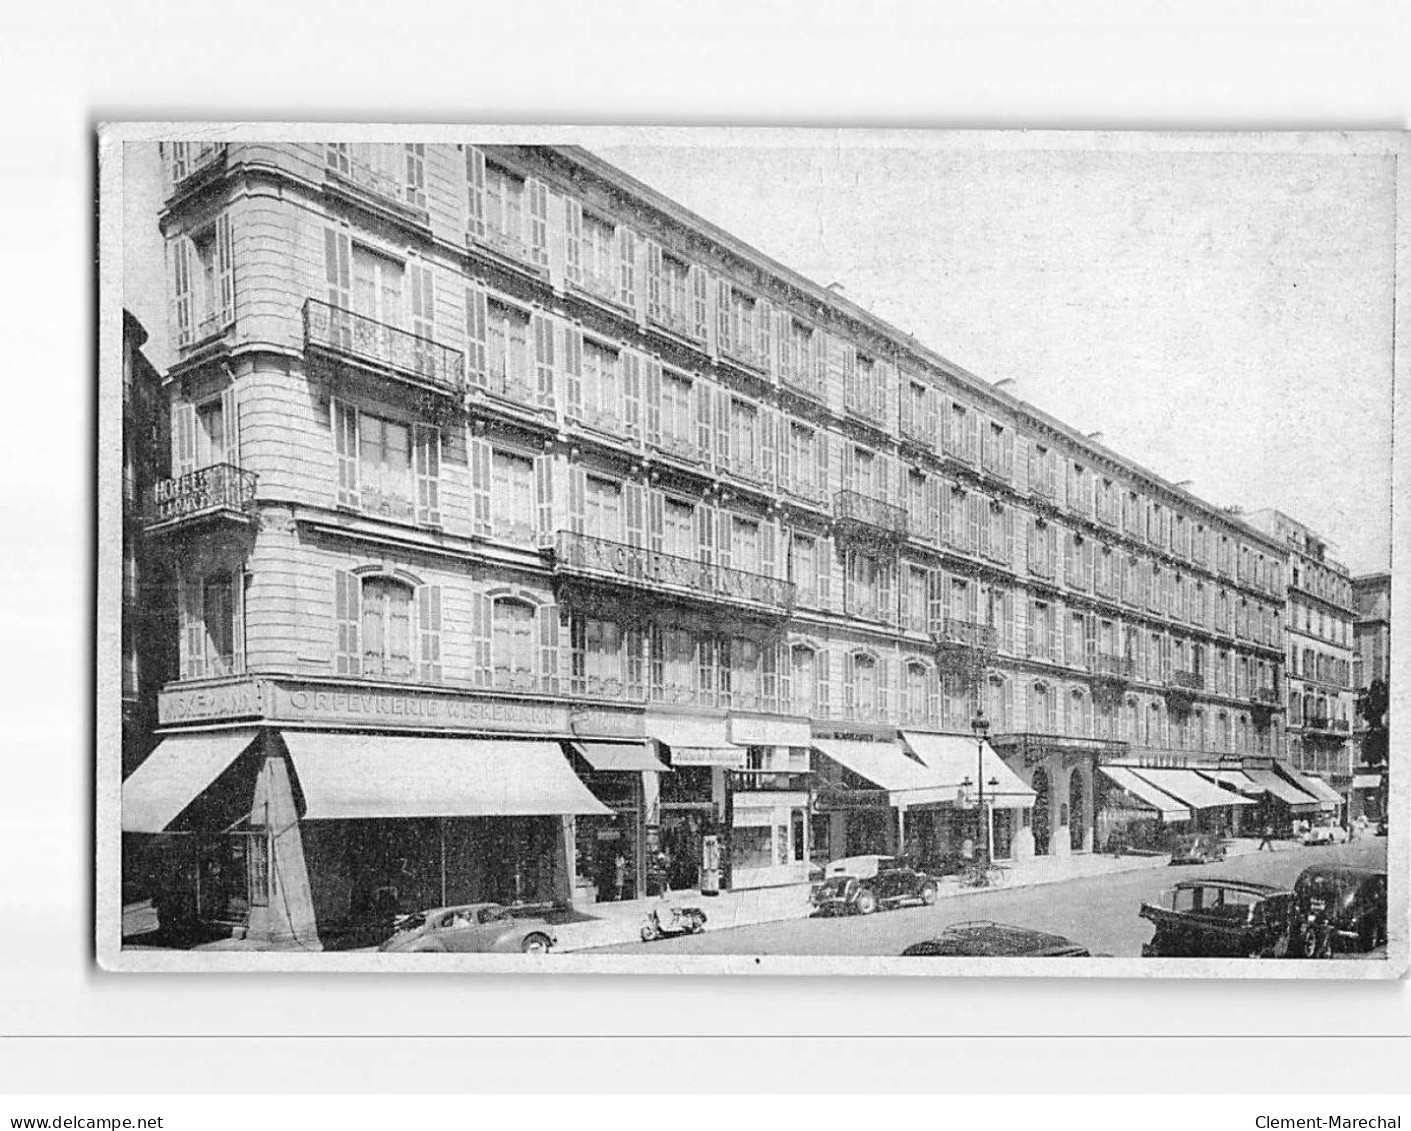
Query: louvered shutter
<point x="544" y="359"/>
<point x="722" y="428"/>
<point x="481" y="627"/>
<point x="936" y="582"/>
<point x="826" y="560"/>
<point x="338" y="267"/>
<point x="884" y="478"/>
<point x="705" y="533"/>
<point x="573" y="239"/>
<point x="653" y="279"/>
<point x="705" y="400"/>
<point x="347" y="616"/>
<point x="653" y="396"/>
<point x="849" y="687"/>
<point x="548" y="617"/>
<point x="1010" y="537"/>
<point x="823" y="685"/>
<point x="345" y="435"/>
<point x="544" y="497"/>
<point x="183" y="439"/>
<point x="722" y="315"/>
<point x="627" y="267"/>
<point x="724" y="538"/>
<point x="884" y="688"/>
<point x="225" y="270"/>
<point x="428" y="474"/>
<point x="423" y="317"/>
<point x="819" y="345"/>
<point x="1007" y="632"/>
<point x="947" y="493"/>
<point x="949" y="441"/>
<point x="573" y="368"/>
<point x="476" y="317"/>
<point x="480" y="485"/>
<point x="1007" y="453"/>
<point x="904" y="595"/>
<point x="783" y="349"/>
<point x="475" y="191"/>
<point x="822" y="456"/>
<point x="538" y="193"/>
<point x="1031" y="630"/>
<point x="886" y="392"/>
<point x="933" y="697"/>
<point x="238" y="580"/>
<point x="656" y="520"/>
<point x="973" y="440"/>
<point x="784" y="664"/>
<point x="178" y="162"/>
<point x="183" y="326"/>
<point x="849" y="467"/>
<point x="768" y="540"/>
<point x="632" y="393"/>
<point x="577" y="489"/>
<point x="933" y="411"/>
<point x="973" y="520"/>
<point x="194" y="621"/>
<point x="230" y="423"/>
<point x="849" y="573"/>
<point x="700" y="302"/>
<point x="428" y="611"/>
<point x="906" y="407"/>
<point x="769" y="443"/>
<point x="764" y="330"/>
<point x="784" y="452"/>
<point x="849" y="360"/>
<point x="636" y="514"/>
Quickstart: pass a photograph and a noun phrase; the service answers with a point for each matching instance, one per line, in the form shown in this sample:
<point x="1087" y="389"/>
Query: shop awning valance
<point x="754" y="731"/>
<point x="1322" y="789"/>
<point x="954" y="758"/>
<point x="629" y="756"/>
<point x="1290" y="795"/>
<point x="175" y="774"/>
<point x="1367" y="781"/>
<point x="1165" y="805"/>
<point x="358" y="775"/>
<point x="688" y="730"/>
<point x="1328" y="799"/>
<point x="1189" y="788"/>
<point x="906" y="781"/>
<point x="1235" y="779"/>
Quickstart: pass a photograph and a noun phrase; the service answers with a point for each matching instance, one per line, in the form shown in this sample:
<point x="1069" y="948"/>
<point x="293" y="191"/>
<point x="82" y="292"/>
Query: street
<point x="1100" y="912"/>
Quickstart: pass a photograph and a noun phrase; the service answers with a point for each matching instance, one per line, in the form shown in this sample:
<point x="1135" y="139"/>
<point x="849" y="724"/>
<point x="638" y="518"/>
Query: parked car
<point x="1198" y="848"/>
<point x="1324" y="834"/>
<point x="471" y="928"/>
<point x="1382" y="827"/>
<point x="1336" y="907"/>
<point x="982" y="938"/>
<point x="862" y="884"/>
<point x="1217" y="918"/>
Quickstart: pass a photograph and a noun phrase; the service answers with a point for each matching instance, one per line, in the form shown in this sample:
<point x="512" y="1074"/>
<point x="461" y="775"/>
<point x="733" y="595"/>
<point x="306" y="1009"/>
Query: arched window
<point x="1131" y="714"/>
<point x="1079" y="722"/>
<point x="512" y="645"/>
<point x="959" y="704"/>
<point x="917" y="707"/>
<point x="387" y="627"/>
<point x="1222" y="731"/>
<point x="864" y="685"/>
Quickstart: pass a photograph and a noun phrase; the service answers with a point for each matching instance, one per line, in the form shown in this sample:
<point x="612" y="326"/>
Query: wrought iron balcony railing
<point x="677" y="322"/>
<point x="970" y="634"/>
<point x="861" y="404"/>
<point x="220" y="488"/>
<point x="605" y="420"/>
<point x="188" y="158"/>
<point x="375" y="182"/>
<point x="505" y="243"/>
<point x="746" y="354"/>
<point x="682" y="447"/>
<point x="856" y="508"/>
<point x="809" y="490"/>
<point x="804" y="378"/>
<point x="516" y="388"/>
<point x="421" y="361"/>
<point x="601" y="284"/>
<point x="1116" y="667"/>
<point x="1187" y="681"/>
<point x="1265" y="695"/>
<point x="636" y="566"/>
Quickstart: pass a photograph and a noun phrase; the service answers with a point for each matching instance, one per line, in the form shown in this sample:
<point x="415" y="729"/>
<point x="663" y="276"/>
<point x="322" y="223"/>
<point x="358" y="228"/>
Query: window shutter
<point x="238" y="580"/>
<point x="884" y="688"/>
<point x="178" y="163"/>
<point x="627" y="266"/>
<point x="656" y="520"/>
<point x="428" y="474"/>
<point x="784" y="665"/>
<point x="700" y="302"/>
<point x="768" y="540"/>
<point x="822" y="684"/>
<point x="783" y="351"/>
<point x="822" y="457"/>
<point x="480" y="485"/>
<point x="886" y="392"/>
<point x="825" y="572"/>
<point x="704" y="399"/>
<point x="887" y="591"/>
<point x="705" y="533"/>
<point x="548" y="617"/>
<point x="653" y="367"/>
<point x="764" y="326"/>
<point x="820" y="361"/>
<point x="849" y="688"/>
<point x="423" y="301"/>
<point x="936" y="582"/>
<point x="784" y="451"/>
<point x="345" y="434"/>
<point x="849" y="572"/>
<point x="428" y="611"/>
<point x="722" y="428"/>
<point x="544" y="359"/>
<point x="849" y="358"/>
<point x="725" y="529"/>
<point x="338" y="267"/>
<point x="636" y="514"/>
<point x="904" y="595"/>
<point x="884" y="477"/>
<point x="1007" y="625"/>
<point x="538" y="222"/>
<point x="577" y="488"/>
<point x="183" y="440"/>
<point x="632" y="393"/>
<point x="849" y="467"/>
<point x="573" y="239"/>
<point x="933" y="410"/>
<point x="475" y="191"/>
<point x="947" y="493"/>
<point x="573" y="350"/>
<point x="907" y="414"/>
<point x="973" y="440"/>
<point x="476" y="316"/>
<point x="769" y="445"/>
<point x="481" y="627"/>
<point x="183" y="329"/>
<point x="975" y="502"/>
<point x="194" y="616"/>
<point x="1009" y="537"/>
<point x="230" y="422"/>
<point x="544" y="497"/>
<point x="948" y="436"/>
<point x="347" y="616"/>
<point x="933" y="697"/>
<point x="653" y="279"/>
<point x="225" y="270"/>
<point x="722" y="315"/>
<point x="1007" y="452"/>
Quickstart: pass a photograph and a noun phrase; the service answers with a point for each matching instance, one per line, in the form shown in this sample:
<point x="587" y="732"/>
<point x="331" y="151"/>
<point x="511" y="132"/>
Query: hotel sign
<point x="205" y="704"/>
<point x="414" y="709"/>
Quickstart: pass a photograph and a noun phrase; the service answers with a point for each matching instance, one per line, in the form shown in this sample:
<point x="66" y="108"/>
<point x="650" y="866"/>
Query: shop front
<point x="1004" y="804"/>
<point x="1214" y="808"/>
<point x="695" y="826"/>
<point x="1281" y="802"/>
<point x="1369" y="794"/>
<point x="1061" y="772"/>
<point x="1134" y="814"/>
<point x="769" y="802"/>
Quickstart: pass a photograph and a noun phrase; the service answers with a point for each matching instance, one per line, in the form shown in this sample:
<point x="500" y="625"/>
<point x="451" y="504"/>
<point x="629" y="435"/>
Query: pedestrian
<point x="619" y="875"/>
<point x="1268" y="841"/>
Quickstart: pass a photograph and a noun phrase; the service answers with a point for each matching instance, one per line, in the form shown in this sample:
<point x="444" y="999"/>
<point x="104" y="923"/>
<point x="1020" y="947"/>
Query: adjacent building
<point x="1371" y="677"/>
<point x="537" y="540"/>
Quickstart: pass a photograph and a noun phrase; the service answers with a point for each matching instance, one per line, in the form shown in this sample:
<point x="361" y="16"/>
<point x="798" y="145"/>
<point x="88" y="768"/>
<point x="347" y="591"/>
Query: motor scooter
<point x="666" y="922"/>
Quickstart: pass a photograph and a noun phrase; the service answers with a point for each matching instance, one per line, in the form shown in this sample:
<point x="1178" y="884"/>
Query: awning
<point x="886" y="766"/>
<point x="696" y="740"/>
<point x="1314" y="788"/>
<point x="356" y="775"/>
<point x="954" y="758"/>
<point x="175" y="774"/>
<point x="629" y="756"/>
<point x="1293" y="797"/>
<point x="1146" y="793"/>
<point x="1235" y="779"/>
<point x="755" y="731"/>
<point x="1367" y="781"/>
<point x="1189" y="788"/>
<point x="1322" y="789"/>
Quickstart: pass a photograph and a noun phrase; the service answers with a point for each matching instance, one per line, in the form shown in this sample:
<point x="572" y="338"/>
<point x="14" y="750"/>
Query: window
<point x="679" y="529"/>
<point x="744" y="433"/>
<point x="597" y="667"/>
<point x="602" y="388"/>
<point x="504" y="205"/>
<point x="744" y="674"/>
<point x="602" y="509"/>
<point x="507" y="346"/>
<point x="864" y="686"/>
<point x="203" y="247"/>
<point x="386" y="627"/>
<point x="218" y="623"/>
<point x="917" y="603"/>
<point x="802" y="474"/>
<point x="210" y="433"/>
<point x="385" y="466"/>
<point x="863" y="573"/>
<point x="803" y="668"/>
<point x="803" y="567"/>
<point x="862" y="478"/>
<point x="675" y="290"/>
<point x="512" y="496"/>
<point x="677" y="423"/>
<point x="1042" y="710"/>
<point x="918" y="694"/>
<point x="377" y="286"/>
<point x="674" y="665"/>
<point x="745" y="545"/>
<point x="915" y="416"/>
<point x="513" y="646"/>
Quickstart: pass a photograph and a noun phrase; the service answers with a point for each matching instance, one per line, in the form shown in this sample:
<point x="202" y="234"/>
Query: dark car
<point x="862" y="884"/>
<point x="984" y="939"/>
<point x="1198" y="848"/>
<point x="1210" y="918"/>
<point x="1337" y="907"/>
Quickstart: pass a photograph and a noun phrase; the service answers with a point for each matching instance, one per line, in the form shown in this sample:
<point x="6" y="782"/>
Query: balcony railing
<point x="806" y="489"/>
<point x="1322" y="722"/>
<point x="1265" y="695"/>
<point x="516" y="388"/>
<point x="755" y="471"/>
<point x="857" y="508"/>
<point x="970" y="634"/>
<point x="1117" y="667"/>
<point x="680" y="324"/>
<point x="376" y="182"/>
<point x="746" y="354"/>
<point x="220" y="488"/>
<point x="601" y="284"/>
<point x="1041" y="567"/>
<point x="681" y="447"/>
<point x="420" y="360"/>
<point x="1187" y="681"/>
<point x="860" y="404"/>
<point x="604" y="420"/>
<point x="505" y="243"/>
<point x="636" y="566"/>
<point x="804" y="379"/>
<point x="915" y="430"/>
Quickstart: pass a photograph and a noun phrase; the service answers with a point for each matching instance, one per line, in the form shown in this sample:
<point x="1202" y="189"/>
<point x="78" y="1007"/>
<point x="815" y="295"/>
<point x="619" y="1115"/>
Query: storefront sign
<point x="755" y="731"/>
<point x="731" y="757"/>
<point x="413" y="709"/>
<point x="598" y="722"/>
<point x="201" y="704"/>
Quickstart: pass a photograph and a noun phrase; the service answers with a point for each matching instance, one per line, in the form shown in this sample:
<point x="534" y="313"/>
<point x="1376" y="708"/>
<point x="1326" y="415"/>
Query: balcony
<point x="1322" y="722"/>
<point x="1041" y="567"/>
<point x="1265" y="695"/>
<point x="864" y="407"/>
<point x="747" y="355"/>
<point x="517" y="390"/>
<point x="964" y="633"/>
<point x="368" y="184"/>
<point x="635" y="567"/>
<point x="805" y="379"/>
<point x="1113" y="667"/>
<point x="679" y="324"/>
<point x="869" y="517"/>
<point x="805" y="490"/>
<point x="679" y="447"/>
<point x="192" y="162"/>
<point x="1187" y="681"/>
<point x="605" y="286"/>
<point x="418" y="361"/>
<point x="751" y="471"/>
<point x="605" y="421"/>
<point x="915" y="431"/>
<point x="219" y="491"/>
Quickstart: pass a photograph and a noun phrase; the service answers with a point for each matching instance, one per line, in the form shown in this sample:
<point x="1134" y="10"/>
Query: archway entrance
<point x="1042" y="820"/>
<point x="1077" y="811"/>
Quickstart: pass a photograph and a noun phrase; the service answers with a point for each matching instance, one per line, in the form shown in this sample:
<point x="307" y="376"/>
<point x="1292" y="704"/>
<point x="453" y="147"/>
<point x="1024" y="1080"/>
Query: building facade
<point x="499" y="453"/>
<point x="1319" y="621"/>
<point x="1371" y="678"/>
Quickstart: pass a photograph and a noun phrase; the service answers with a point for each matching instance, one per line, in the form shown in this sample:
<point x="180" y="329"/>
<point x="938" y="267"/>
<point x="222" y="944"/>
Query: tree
<point x="1373" y="703"/>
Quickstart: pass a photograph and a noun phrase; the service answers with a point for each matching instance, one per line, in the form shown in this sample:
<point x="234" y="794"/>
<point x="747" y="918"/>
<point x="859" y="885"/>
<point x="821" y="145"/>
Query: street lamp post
<point x="981" y="726"/>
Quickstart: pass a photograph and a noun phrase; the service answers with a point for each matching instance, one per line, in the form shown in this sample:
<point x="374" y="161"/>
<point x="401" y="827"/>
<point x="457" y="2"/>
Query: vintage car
<point x="982" y="938"/>
<point x="1382" y="827"/>
<point x="471" y="928"/>
<point x="1324" y="834"/>
<point x="1198" y="848"/>
<point x="861" y="884"/>
<point x="1216" y="918"/>
<point x="1337" y="907"/>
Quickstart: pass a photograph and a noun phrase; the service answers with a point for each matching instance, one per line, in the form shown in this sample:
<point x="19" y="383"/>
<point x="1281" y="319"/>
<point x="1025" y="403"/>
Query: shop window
<point x="386" y="627"/>
<point x="513" y="646"/>
<point x="752" y="847"/>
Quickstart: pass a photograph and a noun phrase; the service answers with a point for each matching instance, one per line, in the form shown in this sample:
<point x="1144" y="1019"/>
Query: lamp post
<point x="981" y="726"/>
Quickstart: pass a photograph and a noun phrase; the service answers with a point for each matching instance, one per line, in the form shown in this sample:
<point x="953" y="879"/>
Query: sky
<point x="1219" y="317"/>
